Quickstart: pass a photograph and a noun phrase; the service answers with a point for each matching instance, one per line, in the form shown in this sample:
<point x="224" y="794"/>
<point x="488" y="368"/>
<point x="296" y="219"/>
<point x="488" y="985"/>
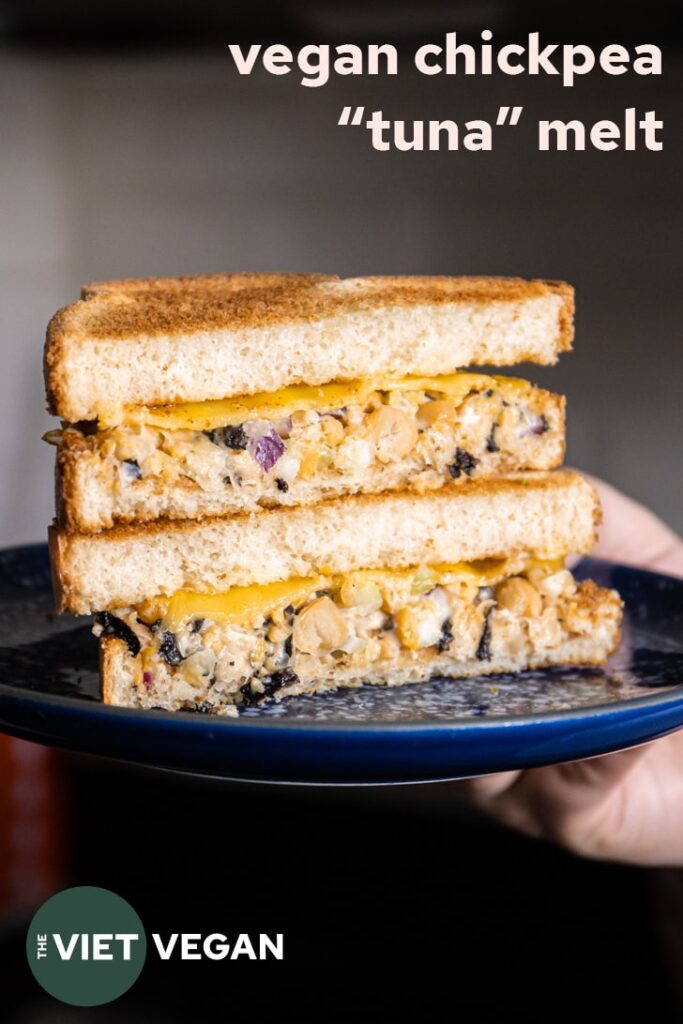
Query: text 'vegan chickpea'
<point x="393" y="432"/>
<point x="519" y="597"/>
<point x="320" y="626"/>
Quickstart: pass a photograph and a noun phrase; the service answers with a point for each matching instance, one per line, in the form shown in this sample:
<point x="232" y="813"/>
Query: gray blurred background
<point x="130" y="146"/>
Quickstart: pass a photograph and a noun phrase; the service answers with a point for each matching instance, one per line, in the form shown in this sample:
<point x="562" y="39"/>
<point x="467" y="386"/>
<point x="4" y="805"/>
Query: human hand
<point x="626" y="806"/>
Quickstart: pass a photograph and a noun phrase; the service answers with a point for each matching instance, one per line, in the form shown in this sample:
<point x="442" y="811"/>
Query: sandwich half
<point x="191" y="397"/>
<point x="390" y="589"/>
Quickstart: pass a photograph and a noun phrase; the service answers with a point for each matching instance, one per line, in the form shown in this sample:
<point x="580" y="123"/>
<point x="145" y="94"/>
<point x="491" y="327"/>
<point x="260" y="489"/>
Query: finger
<point x="578" y="785"/>
<point x="632" y="533"/>
<point x="552" y="801"/>
<point x="484" y="788"/>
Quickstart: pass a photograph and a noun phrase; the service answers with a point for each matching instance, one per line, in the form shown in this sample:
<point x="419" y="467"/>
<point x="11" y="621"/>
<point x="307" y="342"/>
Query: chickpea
<point x="320" y="626"/>
<point x="519" y="596"/>
<point x="357" y="591"/>
<point x="431" y="412"/>
<point x="332" y="431"/>
<point x="558" y="584"/>
<point x="309" y="462"/>
<point x="418" y="627"/>
<point x="393" y="432"/>
<point x="408" y="629"/>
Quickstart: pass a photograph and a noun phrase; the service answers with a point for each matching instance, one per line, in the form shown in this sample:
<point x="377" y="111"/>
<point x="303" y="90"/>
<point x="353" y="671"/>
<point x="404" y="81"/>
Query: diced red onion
<point x="147" y="679"/>
<point x="267" y="450"/>
<point x="537" y="424"/>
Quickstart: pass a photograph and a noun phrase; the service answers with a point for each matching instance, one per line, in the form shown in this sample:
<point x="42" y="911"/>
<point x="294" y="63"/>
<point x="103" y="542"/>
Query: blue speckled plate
<point x="435" y="731"/>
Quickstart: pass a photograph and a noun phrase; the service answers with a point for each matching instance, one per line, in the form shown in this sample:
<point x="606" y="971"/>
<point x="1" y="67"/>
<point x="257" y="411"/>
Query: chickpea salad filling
<point x="306" y="442"/>
<point x="248" y="645"/>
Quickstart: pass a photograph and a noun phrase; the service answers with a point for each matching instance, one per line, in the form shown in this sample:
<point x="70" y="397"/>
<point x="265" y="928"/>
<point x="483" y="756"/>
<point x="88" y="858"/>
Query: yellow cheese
<point x="229" y="412"/>
<point x="513" y="388"/>
<point x="456" y="385"/>
<point x="247" y="606"/>
<point x="488" y="571"/>
<point x="302" y="398"/>
<point x="240" y="606"/>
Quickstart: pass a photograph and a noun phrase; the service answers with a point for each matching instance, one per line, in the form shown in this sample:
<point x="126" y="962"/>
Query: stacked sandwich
<point x="275" y="484"/>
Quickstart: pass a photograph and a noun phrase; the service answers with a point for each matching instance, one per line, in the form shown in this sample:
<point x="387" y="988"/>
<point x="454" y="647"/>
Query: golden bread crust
<point x="56" y="543"/>
<point x="189" y="306"/>
<point x="154" y="306"/>
<point x="111" y="658"/>
<point x="541" y="513"/>
<point x="551" y="480"/>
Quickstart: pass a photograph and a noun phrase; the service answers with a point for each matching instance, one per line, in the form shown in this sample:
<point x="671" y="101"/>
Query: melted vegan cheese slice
<point x="240" y="605"/>
<point x="304" y="398"/>
<point x="244" y="606"/>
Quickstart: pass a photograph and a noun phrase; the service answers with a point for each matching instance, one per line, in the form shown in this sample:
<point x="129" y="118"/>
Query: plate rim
<point x="8" y="694"/>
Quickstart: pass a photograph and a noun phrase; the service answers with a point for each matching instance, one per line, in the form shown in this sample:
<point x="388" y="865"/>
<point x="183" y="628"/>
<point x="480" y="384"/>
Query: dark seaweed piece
<point x="277" y="680"/>
<point x="227" y="480"/>
<point x="446" y="638"/>
<point x="151" y="627"/>
<point x="113" y="626"/>
<point x="464" y="462"/>
<point x="288" y="614"/>
<point x="204" y="707"/>
<point x="196" y="625"/>
<point x="389" y="623"/>
<point x="282" y="485"/>
<point x="229" y="437"/>
<point x="484" y="648"/>
<point x="287" y="646"/>
<point x="248" y="695"/>
<point x="271" y="684"/>
<point x="168" y="649"/>
<point x="542" y="427"/>
<point x="488" y="392"/>
<point x="133" y="471"/>
<point x="491" y="445"/>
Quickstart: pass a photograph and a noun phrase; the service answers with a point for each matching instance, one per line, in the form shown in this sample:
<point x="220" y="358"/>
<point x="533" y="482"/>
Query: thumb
<point x="547" y="802"/>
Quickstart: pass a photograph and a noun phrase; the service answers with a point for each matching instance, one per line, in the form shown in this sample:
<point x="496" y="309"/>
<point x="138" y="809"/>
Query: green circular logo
<point x="86" y="946"/>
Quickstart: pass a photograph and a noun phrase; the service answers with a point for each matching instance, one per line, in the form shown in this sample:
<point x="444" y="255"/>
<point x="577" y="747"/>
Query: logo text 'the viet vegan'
<point x="87" y="946"/>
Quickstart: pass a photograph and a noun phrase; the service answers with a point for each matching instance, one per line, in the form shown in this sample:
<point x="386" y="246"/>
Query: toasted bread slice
<point x="580" y="628"/>
<point x="542" y="513"/>
<point x="191" y="339"/>
<point x="127" y="476"/>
